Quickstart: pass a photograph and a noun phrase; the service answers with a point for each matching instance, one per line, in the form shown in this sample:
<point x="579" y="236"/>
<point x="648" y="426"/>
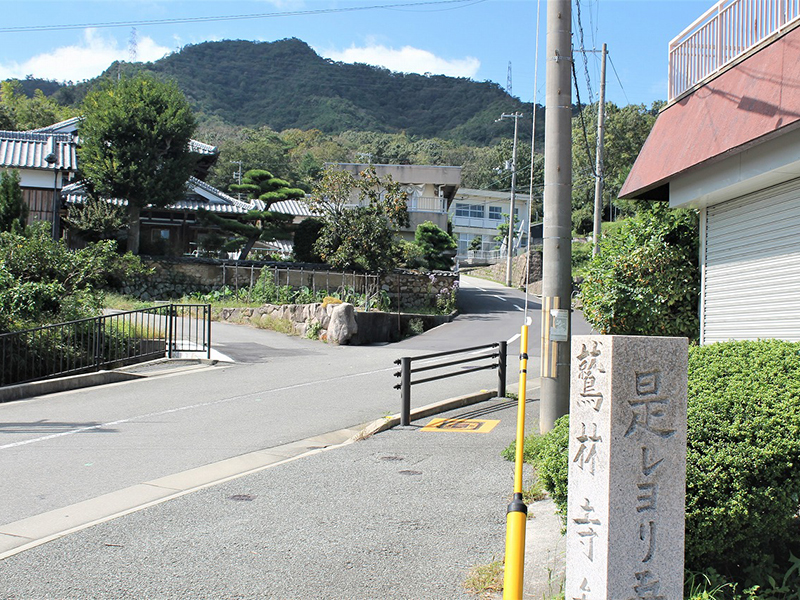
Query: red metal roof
<point x="747" y="104"/>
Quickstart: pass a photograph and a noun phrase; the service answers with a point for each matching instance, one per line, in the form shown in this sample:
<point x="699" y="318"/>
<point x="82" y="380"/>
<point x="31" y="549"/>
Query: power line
<point x="618" y="80"/>
<point x="583" y="122"/>
<point x="585" y="59"/>
<point x="183" y="20"/>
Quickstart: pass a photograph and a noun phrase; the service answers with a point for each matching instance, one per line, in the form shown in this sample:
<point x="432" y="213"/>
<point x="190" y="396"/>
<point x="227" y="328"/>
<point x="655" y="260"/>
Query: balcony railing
<point x="725" y="32"/>
<point x="427" y="204"/>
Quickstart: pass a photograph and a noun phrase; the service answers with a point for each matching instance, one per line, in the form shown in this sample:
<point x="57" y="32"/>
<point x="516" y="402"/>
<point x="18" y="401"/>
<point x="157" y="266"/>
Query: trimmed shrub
<point x="305" y="236"/>
<point x="743" y="458"/>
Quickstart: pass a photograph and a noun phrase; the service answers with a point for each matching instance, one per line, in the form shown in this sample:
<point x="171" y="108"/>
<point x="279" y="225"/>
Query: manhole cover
<point x="392" y="458"/>
<point x="242" y="497"/>
<point x="409" y="472"/>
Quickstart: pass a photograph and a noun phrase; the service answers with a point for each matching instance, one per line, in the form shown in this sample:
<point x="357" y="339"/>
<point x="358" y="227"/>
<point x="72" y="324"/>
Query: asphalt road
<point x="64" y="448"/>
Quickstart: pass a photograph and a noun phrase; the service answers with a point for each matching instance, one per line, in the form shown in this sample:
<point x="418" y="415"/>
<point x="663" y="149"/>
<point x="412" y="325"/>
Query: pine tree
<point x="13" y="210"/>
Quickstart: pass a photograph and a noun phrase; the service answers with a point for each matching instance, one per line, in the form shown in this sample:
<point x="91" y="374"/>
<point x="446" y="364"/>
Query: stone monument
<point x="627" y="468"/>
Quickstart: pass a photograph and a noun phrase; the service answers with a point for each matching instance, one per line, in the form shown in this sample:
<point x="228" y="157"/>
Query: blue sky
<point x="473" y="38"/>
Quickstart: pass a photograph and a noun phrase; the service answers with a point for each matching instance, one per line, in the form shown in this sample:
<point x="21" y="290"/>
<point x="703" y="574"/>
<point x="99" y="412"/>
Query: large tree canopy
<point x="135" y="145"/>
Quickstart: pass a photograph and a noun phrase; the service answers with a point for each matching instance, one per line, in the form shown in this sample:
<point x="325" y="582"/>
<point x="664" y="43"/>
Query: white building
<point x="477" y="213"/>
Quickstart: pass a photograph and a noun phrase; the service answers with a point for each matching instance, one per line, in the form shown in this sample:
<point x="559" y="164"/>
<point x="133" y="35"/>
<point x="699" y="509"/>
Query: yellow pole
<point x="517" y="513"/>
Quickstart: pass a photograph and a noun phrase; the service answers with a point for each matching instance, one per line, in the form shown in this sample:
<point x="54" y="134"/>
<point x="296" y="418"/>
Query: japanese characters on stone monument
<point x="627" y="469"/>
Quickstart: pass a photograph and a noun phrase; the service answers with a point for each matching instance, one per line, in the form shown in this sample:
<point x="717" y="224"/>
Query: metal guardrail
<point x="721" y="34"/>
<point x="107" y="341"/>
<point x="406" y="371"/>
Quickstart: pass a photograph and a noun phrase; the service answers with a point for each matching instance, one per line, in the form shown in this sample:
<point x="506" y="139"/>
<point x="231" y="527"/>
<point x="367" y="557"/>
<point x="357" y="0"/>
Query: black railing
<point x="108" y="341"/>
<point x="406" y="371"/>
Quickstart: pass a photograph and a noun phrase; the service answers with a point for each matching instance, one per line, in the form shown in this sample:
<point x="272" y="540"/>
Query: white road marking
<point x="499" y="297"/>
<point x="181" y="409"/>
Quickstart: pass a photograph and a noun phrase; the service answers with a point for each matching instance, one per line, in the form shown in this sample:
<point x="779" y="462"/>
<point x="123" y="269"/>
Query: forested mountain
<point x="286" y="85"/>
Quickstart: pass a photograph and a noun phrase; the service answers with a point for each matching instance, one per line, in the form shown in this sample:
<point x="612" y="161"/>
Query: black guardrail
<point x="107" y="341"/>
<point x="406" y="371"/>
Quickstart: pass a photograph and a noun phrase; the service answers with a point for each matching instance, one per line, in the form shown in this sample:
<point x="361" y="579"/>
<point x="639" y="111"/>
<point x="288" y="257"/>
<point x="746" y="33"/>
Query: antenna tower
<point x="508" y="81"/>
<point x="133" y="46"/>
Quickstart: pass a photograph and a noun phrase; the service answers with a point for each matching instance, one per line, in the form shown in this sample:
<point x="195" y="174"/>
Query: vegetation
<point x="257" y="224"/>
<point x="646" y="280"/>
<point x="742" y="476"/>
<point x="135" y="145"/>
<point x="437" y="248"/>
<point x="97" y="220"/>
<point x="626" y="129"/>
<point x="485" y="580"/>
<point x="305" y="236"/>
<point x="19" y="111"/>
<point x="358" y="237"/>
<point x="13" y="210"/>
<point x="41" y="281"/>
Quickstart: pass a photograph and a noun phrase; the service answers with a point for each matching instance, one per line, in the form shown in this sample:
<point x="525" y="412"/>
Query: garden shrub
<point x="646" y="279"/>
<point x="743" y="458"/>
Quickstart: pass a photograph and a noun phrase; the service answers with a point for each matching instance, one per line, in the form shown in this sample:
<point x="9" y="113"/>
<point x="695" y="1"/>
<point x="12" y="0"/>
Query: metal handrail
<point x="90" y="344"/>
<point x="406" y="371"/>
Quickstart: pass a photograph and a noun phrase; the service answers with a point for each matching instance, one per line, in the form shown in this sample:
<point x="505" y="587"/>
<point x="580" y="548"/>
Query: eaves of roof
<point x="29" y="150"/>
<point x="752" y="102"/>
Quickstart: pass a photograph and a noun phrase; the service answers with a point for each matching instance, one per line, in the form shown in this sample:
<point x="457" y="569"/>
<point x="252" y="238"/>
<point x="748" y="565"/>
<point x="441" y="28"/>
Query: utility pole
<point x="598" y="183"/>
<point x="510" y="237"/>
<point x="557" y="243"/>
<point x="238" y="176"/>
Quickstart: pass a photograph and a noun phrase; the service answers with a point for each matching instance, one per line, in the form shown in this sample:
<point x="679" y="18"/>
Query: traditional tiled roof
<point x="68" y="126"/>
<point x="30" y="150"/>
<point x="198" y="195"/>
<point x="201" y="148"/>
<point x="293" y="207"/>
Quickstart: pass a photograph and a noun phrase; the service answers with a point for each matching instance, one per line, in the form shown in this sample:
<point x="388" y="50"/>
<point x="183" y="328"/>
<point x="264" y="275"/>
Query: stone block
<point x="627" y="468"/>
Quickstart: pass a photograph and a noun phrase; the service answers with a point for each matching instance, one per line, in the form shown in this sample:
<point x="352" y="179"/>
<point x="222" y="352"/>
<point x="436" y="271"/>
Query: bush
<point x="305" y="236"/>
<point x="437" y="247"/>
<point x="743" y="458"/>
<point x="646" y="280"/>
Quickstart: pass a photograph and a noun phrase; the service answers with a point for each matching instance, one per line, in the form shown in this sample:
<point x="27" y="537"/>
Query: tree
<point x="646" y="280"/>
<point x="626" y="130"/>
<point x="305" y="236"/>
<point x="358" y="215"/>
<point x="260" y="223"/>
<point x="13" y="210"/>
<point x="438" y="247"/>
<point x="135" y="145"/>
<point x="18" y="112"/>
<point x="97" y="220"/>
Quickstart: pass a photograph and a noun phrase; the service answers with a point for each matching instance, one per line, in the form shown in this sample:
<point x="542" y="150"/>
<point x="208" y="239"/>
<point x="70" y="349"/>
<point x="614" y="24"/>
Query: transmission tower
<point x="508" y="81"/>
<point x="133" y="46"/>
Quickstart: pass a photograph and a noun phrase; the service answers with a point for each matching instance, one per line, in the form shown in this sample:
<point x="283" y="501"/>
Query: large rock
<point x="343" y="324"/>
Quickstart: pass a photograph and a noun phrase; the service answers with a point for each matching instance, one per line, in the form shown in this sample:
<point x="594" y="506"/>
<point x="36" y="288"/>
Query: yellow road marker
<point x="468" y="425"/>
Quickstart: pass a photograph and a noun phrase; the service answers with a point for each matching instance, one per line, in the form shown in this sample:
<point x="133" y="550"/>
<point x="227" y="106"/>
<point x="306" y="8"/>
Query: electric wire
<point x="613" y="68"/>
<point x="183" y="20"/>
<point x="533" y="156"/>
<point x="583" y="122"/>
<point x="585" y="58"/>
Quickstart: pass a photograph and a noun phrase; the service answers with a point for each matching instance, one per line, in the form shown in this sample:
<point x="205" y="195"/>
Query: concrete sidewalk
<point x="403" y="514"/>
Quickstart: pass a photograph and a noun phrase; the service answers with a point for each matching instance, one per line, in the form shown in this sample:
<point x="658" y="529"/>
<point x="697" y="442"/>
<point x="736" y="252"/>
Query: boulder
<point x="343" y="325"/>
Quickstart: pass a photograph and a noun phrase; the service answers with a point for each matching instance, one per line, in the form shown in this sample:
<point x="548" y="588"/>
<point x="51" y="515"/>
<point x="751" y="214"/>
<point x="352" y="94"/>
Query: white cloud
<point x="406" y="60"/>
<point x="84" y="60"/>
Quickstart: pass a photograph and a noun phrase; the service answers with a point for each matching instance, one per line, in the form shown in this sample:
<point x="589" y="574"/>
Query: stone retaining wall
<point x="372" y="327"/>
<point x="176" y="277"/>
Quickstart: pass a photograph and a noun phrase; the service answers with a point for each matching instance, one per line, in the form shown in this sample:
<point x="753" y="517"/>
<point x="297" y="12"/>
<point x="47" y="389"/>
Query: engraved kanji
<point x="587" y="452"/>
<point x="647" y="532"/>
<point x="587" y="533"/>
<point x="646" y="587"/>
<point x="588" y="365"/>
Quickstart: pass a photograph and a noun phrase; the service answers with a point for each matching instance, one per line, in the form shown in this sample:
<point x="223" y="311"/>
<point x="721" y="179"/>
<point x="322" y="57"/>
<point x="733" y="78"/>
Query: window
<point x="474" y="211"/>
<point x="496" y="213"/>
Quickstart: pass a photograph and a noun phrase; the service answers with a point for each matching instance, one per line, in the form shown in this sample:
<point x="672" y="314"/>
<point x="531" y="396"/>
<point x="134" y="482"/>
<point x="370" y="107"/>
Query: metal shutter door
<point x="752" y="273"/>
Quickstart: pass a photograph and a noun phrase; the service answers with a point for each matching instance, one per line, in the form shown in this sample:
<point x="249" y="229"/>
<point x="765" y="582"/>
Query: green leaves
<point x="13" y="210"/>
<point x="646" y="280"/>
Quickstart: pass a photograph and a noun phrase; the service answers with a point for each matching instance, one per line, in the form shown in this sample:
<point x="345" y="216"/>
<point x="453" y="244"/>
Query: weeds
<point x="483" y="580"/>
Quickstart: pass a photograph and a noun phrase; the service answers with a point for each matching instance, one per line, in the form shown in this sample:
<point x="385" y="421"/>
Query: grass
<point x="122" y="302"/>
<point x="484" y="580"/>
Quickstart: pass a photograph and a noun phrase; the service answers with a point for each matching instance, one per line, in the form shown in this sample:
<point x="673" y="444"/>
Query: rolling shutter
<point x="752" y="267"/>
